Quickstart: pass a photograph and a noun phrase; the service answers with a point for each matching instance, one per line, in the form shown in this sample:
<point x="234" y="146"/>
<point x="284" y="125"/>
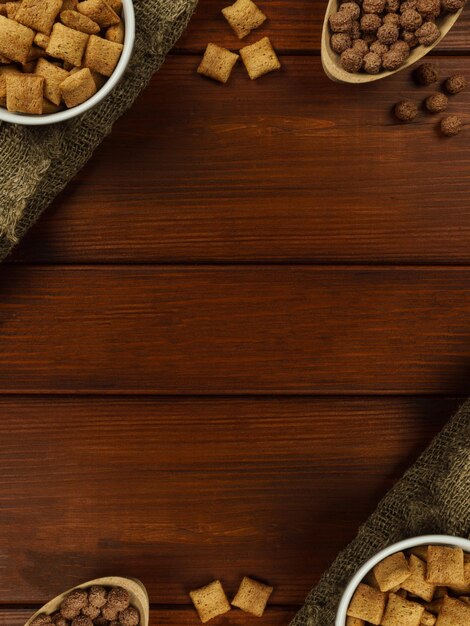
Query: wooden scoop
<point x="331" y="60"/>
<point x="137" y="593"/>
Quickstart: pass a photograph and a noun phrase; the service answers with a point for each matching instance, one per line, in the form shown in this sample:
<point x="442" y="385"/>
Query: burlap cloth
<point x="36" y="164"/>
<point x="432" y="497"/>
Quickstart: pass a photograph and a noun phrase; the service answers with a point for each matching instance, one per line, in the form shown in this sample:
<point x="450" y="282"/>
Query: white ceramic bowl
<point x="446" y="540"/>
<point x="43" y="120"/>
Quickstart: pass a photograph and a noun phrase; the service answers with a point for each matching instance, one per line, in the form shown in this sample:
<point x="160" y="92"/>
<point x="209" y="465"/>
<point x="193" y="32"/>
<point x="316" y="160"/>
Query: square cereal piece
<point x="260" y="58"/>
<point x="401" y="612"/>
<point x="416" y="584"/>
<point x="210" y="601"/>
<point x="53" y="77"/>
<point x="252" y="596"/>
<point x="367" y="604"/>
<point x="392" y="571"/>
<point x="453" y="613"/>
<point x="24" y="93"/>
<point x="48" y="108"/>
<point x="428" y="619"/>
<point x="244" y="16"/>
<point x="77" y="21"/>
<point x="102" y="55"/>
<point x="4" y="72"/>
<point x="217" y="63"/>
<point x="445" y="565"/>
<point x="67" y="44"/>
<point x="465" y="588"/>
<point x="15" y="40"/>
<point x="116" y="33"/>
<point x="39" y="14"/>
<point x="116" y="6"/>
<point x="78" y="88"/>
<point x="354" y="621"/>
<point x="99" y="11"/>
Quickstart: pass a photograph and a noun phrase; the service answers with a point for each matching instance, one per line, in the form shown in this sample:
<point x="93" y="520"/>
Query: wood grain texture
<point x="179" y="617"/>
<point x="178" y="492"/>
<point x="293" y="26"/>
<point x="234" y="330"/>
<point x="290" y="168"/>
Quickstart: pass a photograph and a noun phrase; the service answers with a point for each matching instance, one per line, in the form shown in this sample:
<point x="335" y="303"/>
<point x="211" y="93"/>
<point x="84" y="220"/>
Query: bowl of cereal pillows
<point x="368" y="40"/>
<point x="422" y="581"/>
<point x="60" y="58"/>
<point x="99" y="602"/>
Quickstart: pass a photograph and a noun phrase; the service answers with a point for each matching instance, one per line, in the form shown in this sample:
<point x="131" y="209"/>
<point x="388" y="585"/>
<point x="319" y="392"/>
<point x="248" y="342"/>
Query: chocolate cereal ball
<point x="97" y="594"/>
<point x="387" y="34"/>
<point x="455" y="84"/>
<point x="436" y="103"/>
<point x="451" y="125"/>
<point x="372" y="63"/>
<point x="429" y="8"/>
<point x="360" y="46"/>
<point x="401" y="48"/>
<point x="392" y="60"/>
<point x="118" y="598"/>
<point x="392" y="6"/>
<point x="82" y="620"/>
<point x="109" y="612"/>
<point x="351" y="61"/>
<point x="340" y="22"/>
<point x="74" y="603"/>
<point x="427" y="74"/>
<point x="352" y="9"/>
<point x="339" y="43"/>
<point x="408" y="5"/>
<point x="392" y="18"/>
<point x="91" y="611"/>
<point x="452" y="6"/>
<point x="370" y="23"/>
<point x="410" y="20"/>
<point x="406" y="110"/>
<point x="410" y="38"/>
<point x="373" y="6"/>
<point x="129" y="617"/>
<point x="58" y="620"/>
<point x="378" y="48"/>
<point x="428" y="33"/>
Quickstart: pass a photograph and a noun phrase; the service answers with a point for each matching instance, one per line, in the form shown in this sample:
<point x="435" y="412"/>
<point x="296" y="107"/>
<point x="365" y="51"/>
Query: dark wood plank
<point x="177" y="617"/>
<point x="292" y="167"/>
<point x="235" y="330"/>
<point x="293" y="26"/>
<point x="178" y="492"/>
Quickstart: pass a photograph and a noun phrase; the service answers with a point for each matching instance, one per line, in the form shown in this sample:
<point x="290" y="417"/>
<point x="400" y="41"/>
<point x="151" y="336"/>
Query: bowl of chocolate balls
<point x="109" y="601"/>
<point x="366" y="40"/>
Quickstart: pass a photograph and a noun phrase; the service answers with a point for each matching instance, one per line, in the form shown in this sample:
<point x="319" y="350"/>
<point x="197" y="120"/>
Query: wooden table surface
<point x="233" y="331"/>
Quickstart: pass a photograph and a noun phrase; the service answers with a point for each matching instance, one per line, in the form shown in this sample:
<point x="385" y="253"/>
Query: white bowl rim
<point x="405" y="544"/>
<point x="62" y="116"/>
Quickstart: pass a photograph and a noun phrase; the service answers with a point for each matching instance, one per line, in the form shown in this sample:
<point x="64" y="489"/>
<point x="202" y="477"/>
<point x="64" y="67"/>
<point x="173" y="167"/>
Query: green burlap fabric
<point x="432" y="497"/>
<point x="36" y="164"/>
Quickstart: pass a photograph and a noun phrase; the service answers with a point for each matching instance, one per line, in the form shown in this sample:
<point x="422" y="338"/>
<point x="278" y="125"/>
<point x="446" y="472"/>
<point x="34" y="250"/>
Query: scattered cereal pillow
<point x="78" y="88"/>
<point x="24" y="93"/>
<point x="252" y="596"/>
<point x="260" y="58"/>
<point x="244" y="16"/>
<point x="116" y="33"/>
<point x="39" y="14"/>
<point x="4" y="72"/>
<point x="102" y="55"/>
<point x="217" y="63"/>
<point x="15" y="40"/>
<point x="210" y="601"/>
